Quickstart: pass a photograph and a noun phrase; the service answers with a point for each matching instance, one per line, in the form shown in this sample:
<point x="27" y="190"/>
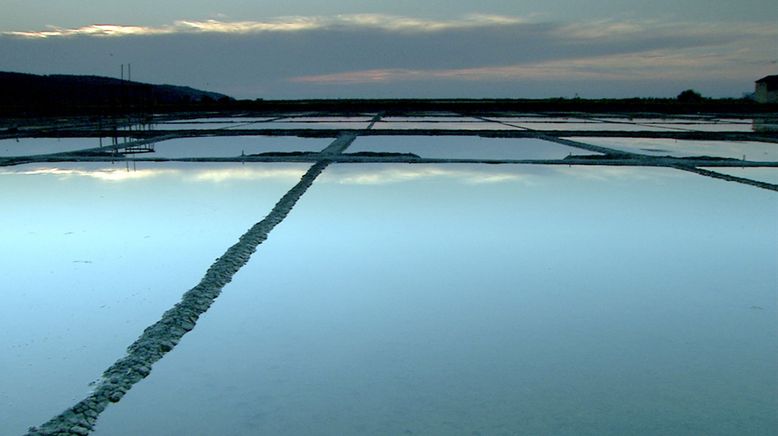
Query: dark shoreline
<point x="388" y="107"/>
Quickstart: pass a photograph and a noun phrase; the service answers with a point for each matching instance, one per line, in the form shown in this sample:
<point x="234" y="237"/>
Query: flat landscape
<point x="391" y="273"/>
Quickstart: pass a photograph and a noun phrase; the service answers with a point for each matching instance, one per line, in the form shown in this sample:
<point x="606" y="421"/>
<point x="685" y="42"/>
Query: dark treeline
<point x="387" y="106"/>
<point x="27" y="95"/>
<point x="489" y="106"/>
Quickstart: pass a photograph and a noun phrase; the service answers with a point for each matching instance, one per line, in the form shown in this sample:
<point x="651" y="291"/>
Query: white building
<point x="767" y="90"/>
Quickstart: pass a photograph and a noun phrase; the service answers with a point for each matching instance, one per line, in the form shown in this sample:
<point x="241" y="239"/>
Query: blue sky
<point x="492" y="48"/>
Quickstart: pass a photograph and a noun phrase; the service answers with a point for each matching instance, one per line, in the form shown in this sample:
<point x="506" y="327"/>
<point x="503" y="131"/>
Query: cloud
<point x="631" y="66"/>
<point x="281" y="24"/>
<point x="370" y="55"/>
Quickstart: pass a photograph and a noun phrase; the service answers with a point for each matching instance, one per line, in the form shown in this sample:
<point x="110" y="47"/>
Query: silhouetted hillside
<point x="29" y="91"/>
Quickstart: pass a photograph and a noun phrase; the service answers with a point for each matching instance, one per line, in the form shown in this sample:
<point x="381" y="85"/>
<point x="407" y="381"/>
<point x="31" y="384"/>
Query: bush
<point x="690" y="96"/>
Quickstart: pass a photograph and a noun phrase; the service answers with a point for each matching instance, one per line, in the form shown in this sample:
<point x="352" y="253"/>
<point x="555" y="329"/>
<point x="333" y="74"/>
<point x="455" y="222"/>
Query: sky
<point x="401" y="48"/>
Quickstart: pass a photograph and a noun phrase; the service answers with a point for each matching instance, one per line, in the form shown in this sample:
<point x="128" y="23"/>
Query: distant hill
<point x="70" y="91"/>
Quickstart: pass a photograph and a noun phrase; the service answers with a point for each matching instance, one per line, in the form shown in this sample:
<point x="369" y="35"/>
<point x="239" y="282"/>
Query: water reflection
<point x="383" y="174"/>
<point x="327" y="119"/>
<point x="187" y="172"/>
<point x="197" y="126"/>
<point x="35" y="146"/>
<point x="458" y="147"/>
<point x="442" y="126"/>
<point x="233" y="146"/>
<point x="611" y="127"/>
<point x="455" y="119"/>
<point x="749" y="150"/>
<point x="351" y="174"/>
<point x="90" y="259"/>
<point x="708" y="127"/>
<point x="234" y="120"/>
<point x="632" y="303"/>
<point x="303" y="125"/>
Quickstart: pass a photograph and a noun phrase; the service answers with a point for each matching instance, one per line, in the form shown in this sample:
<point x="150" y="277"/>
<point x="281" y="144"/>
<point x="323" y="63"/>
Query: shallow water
<point x="196" y="126"/>
<point x="755" y="151"/>
<point x="443" y="125"/>
<point x="93" y="254"/>
<point x="670" y="120"/>
<point x="539" y="119"/>
<point x="327" y="119"/>
<point x="457" y="147"/>
<point x="430" y="119"/>
<point x="417" y="299"/>
<point x="223" y="120"/>
<point x="594" y="126"/>
<point x="317" y="125"/>
<point x="34" y="146"/>
<point x="231" y="146"/>
<point x="709" y="127"/>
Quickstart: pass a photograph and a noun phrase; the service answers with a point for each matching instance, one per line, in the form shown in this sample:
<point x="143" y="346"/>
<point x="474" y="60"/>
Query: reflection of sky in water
<point x="537" y="119"/>
<point x="768" y="175"/>
<point x="230" y="146"/>
<point x="466" y="147"/>
<point x="442" y="125"/>
<point x="293" y="125"/>
<point x="222" y="120"/>
<point x="89" y="262"/>
<point x="189" y="172"/>
<point x="735" y="120"/>
<point x="755" y="151"/>
<point x="194" y="126"/>
<point x="32" y="146"/>
<point x="327" y="119"/>
<point x="429" y="119"/>
<point x="593" y="127"/>
<point x="719" y="127"/>
<point x="608" y="301"/>
<point x="673" y="120"/>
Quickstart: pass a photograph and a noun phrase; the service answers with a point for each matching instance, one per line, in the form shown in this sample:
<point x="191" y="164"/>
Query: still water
<point x="410" y="299"/>
<point x="328" y="119"/>
<point x="232" y="146"/>
<point x="197" y="126"/>
<point x="593" y="126"/>
<point x="442" y="125"/>
<point x="283" y="124"/>
<point x="34" y="146"/>
<point x="92" y="254"/>
<point x="708" y="127"/>
<point x="239" y="120"/>
<point x="463" y="147"/>
<point x="754" y="151"/>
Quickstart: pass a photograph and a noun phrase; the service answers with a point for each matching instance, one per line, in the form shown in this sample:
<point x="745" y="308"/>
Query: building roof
<point x="770" y="80"/>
